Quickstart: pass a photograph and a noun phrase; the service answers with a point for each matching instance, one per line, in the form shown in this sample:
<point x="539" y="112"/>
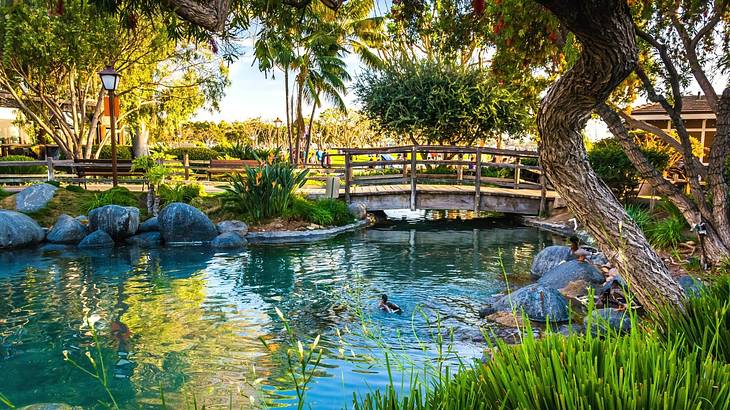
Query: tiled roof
<point x="690" y="104"/>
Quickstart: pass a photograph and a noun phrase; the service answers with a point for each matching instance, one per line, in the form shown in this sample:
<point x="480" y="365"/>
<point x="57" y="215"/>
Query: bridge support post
<point x="413" y="178"/>
<point x="49" y="161"/>
<point x="478" y="180"/>
<point x="517" y="172"/>
<point x="348" y="176"/>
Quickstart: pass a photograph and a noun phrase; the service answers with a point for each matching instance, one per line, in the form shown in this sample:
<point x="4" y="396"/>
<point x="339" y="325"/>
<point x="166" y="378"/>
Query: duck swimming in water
<point x="389" y="307"/>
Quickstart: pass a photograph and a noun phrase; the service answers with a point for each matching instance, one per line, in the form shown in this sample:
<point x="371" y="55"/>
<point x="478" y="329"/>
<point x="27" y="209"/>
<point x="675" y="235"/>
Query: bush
<point x="248" y="152"/>
<point x="180" y="192"/>
<point x="194" y="153"/>
<point x="114" y="196"/>
<point x="123" y="152"/>
<point x="75" y="188"/>
<point x="34" y="169"/>
<point x="641" y="216"/>
<point x="325" y="212"/>
<point x="4" y="193"/>
<point x="615" y="169"/>
<point x="495" y="172"/>
<point x="667" y="232"/>
<point x="265" y="191"/>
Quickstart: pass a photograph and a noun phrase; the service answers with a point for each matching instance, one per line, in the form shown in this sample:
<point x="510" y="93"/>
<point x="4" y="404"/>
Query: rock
<point x="597" y="258"/>
<point x="540" y="303"/>
<point x="34" y="198"/>
<point x="66" y="230"/>
<point x="83" y="220"/>
<point x="181" y="223"/>
<point x="489" y="305"/>
<point x="49" y="406"/>
<point x="575" y="289"/>
<point x="618" y="320"/>
<point x="237" y="227"/>
<point x="145" y="239"/>
<point x="117" y="221"/>
<point x="150" y="225"/>
<point x="17" y="230"/>
<point x="692" y="287"/>
<point x="561" y="275"/>
<point x="549" y="258"/>
<point x="358" y="210"/>
<point x="228" y="240"/>
<point x="97" y="239"/>
<point x="508" y="319"/>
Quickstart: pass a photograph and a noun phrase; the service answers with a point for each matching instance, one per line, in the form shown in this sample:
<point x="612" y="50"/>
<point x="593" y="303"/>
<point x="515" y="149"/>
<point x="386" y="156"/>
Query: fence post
<point x="543" y="190"/>
<point x="186" y="164"/>
<point x="49" y="161"/>
<point x="413" y="178"/>
<point x="517" y="172"/>
<point x="348" y="176"/>
<point x="478" y="181"/>
<point x="405" y="166"/>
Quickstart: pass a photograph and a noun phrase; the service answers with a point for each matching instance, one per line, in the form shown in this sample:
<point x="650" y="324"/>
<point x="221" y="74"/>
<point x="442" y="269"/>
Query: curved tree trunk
<point x="609" y="54"/>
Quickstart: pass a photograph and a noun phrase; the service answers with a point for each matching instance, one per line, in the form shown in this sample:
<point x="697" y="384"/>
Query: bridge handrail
<point x="410" y="162"/>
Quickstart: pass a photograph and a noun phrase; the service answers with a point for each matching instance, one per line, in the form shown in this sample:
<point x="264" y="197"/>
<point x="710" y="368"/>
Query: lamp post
<point x="277" y="124"/>
<point x="110" y="82"/>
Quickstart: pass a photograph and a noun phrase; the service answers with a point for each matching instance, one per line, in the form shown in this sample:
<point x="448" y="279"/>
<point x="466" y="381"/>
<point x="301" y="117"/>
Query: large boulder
<point x="150" y="225"/>
<point x="358" y="210"/>
<point x="540" y="303"/>
<point x="238" y="227"/>
<point x="34" y="198"/>
<point x="608" y="318"/>
<point x="97" y="239"/>
<point x="561" y="275"/>
<point x="228" y="240"/>
<point x="692" y="287"/>
<point x="549" y="258"/>
<point x="117" y="221"/>
<point x="145" y="239"/>
<point x="18" y="230"/>
<point x="66" y="230"/>
<point x="183" y="223"/>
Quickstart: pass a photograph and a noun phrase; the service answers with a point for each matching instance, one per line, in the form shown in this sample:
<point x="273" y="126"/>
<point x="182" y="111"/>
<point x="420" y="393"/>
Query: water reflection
<point x="190" y="320"/>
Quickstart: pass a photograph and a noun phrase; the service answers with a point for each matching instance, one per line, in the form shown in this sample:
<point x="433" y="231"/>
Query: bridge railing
<point x="413" y="164"/>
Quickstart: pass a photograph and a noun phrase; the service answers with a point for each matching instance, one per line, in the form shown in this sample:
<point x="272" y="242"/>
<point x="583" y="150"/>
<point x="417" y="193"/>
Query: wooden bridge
<point x="445" y="177"/>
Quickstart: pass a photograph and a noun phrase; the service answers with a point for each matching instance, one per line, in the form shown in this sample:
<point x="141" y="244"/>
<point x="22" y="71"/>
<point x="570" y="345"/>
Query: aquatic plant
<point x="302" y="361"/>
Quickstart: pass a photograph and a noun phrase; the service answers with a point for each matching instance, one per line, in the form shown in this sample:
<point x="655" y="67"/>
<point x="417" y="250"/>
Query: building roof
<point x="690" y="104"/>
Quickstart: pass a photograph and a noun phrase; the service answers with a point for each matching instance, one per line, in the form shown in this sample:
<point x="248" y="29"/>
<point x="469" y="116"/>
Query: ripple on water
<point x="192" y="320"/>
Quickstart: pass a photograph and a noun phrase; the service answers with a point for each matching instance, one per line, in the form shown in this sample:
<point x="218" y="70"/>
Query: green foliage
<point x="639" y="215"/>
<point x="194" y="153"/>
<point x="325" y="212"/>
<point x="265" y="191"/>
<point x="440" y="103"/>
<point x="180" y="192"/>
<point x="666" y="233"/>
<point x="249" y="152"/>
<point x="703" y="323"/>
<point x="123" y="152"/>
<point x="114" y="196"/>
<point x="75" y="188"/>
<point x="679" y="357"/>
<point x="495" y="172"/>
<point x="4" y="193"/>
<point x="615" y="169"/>
<point x="34" y="169"/>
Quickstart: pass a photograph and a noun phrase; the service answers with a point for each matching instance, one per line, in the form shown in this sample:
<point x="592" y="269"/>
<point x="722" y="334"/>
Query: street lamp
<point x="277" y="124"/>
<point x="110" y="82"/>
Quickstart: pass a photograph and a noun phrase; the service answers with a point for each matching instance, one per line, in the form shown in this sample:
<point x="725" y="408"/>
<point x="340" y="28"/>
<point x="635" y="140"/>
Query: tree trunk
<point x="309" y="127"/>
<point x="719" y="152"/>
<point x="140" y="145"/>
<point x="609" y="54"/>
<point x="300" y="118"/>
<point x="288" y="115"/>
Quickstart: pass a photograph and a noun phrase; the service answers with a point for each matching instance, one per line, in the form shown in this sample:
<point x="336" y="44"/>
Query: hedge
<point x="34" y="169"/>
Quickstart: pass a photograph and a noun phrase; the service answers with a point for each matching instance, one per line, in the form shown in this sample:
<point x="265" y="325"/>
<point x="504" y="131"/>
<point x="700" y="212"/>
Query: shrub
<point x="666" y="233"/>
<point x="180" y="192"/>
<point x="641" y="216"/>
<point x="34" y="169"/>
<point x="615" y="169"/>
<point x="324" y="212"/>
<point x="4" y="193"/>
<point x="494" y="172"/>
<point x="194" y="153"/>
<point x="75" y="188"/>
<point x="439" y="170"/>
<point x="265" y="191"/>
<point x="114" y="196"/>
<point x="123" y="152"/>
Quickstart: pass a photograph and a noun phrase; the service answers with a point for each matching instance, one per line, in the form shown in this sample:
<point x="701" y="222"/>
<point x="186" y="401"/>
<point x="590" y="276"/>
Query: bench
<point x="102" y="168"/>
<point x="226" y="166"/>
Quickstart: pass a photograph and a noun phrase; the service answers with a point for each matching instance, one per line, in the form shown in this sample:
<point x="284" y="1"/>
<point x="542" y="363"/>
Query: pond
<point x="191" y="322"/>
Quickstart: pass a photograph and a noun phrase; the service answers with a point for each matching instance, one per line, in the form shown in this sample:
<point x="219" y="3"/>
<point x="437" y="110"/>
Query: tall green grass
<point x="678" y="361"/>
<point x="325" y="212"/>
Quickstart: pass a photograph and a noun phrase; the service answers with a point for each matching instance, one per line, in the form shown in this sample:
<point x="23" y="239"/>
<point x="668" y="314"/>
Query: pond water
<point x="191" y="321"/>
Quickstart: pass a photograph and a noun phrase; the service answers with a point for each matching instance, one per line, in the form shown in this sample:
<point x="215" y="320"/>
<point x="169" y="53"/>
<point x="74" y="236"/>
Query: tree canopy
<point x="440" y="103"/>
